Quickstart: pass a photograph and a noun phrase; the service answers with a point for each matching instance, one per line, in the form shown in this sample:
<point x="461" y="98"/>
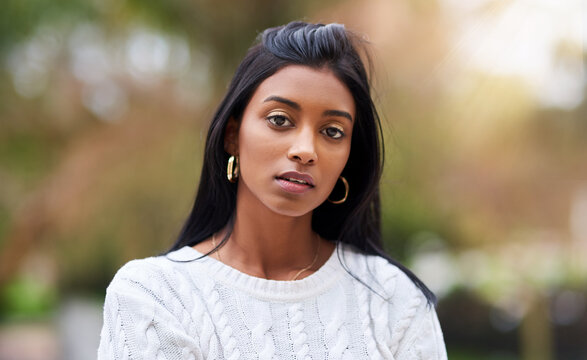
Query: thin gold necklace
<point x="214" y="244"/>
<point x="295" y="277"/>
<point x="309" y="266"/>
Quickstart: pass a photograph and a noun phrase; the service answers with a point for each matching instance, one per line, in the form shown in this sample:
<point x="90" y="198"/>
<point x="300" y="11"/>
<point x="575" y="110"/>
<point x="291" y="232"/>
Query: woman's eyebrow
<point x="285" y="101"/>
<point x="297" y="106"/>
<point x="338" y="113"/>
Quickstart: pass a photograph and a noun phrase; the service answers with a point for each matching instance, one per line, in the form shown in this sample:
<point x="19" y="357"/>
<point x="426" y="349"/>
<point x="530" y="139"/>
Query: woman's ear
<point x="231" y="136"/>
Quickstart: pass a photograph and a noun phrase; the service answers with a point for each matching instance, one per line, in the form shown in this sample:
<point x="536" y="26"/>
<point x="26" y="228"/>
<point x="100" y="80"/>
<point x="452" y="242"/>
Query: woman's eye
<point x="279" y="121"/>
<point x="333" y="132"/>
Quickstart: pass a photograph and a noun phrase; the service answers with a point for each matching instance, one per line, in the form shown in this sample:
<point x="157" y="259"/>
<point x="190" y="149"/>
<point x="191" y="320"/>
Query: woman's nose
<point x="303" y="149"/>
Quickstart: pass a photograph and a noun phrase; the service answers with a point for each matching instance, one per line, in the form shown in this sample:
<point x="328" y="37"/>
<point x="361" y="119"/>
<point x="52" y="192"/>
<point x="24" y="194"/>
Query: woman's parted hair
<point x="357" y="220"/>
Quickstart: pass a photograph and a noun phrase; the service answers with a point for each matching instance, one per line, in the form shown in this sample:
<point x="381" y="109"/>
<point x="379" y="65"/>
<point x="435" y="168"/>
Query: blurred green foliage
<point x="26" y="298"/>
<point x="27" y="157"/>
<point x="19" y="18"/>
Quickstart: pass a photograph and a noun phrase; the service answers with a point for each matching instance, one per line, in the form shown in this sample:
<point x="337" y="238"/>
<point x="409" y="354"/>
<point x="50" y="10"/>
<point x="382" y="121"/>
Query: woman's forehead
<point x="301" y="85"/>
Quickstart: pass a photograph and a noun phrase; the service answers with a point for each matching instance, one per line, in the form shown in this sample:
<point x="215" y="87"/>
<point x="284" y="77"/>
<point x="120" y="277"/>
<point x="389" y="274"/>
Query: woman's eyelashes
<point x="333" y="132"/>
<point x="281" y="121"/>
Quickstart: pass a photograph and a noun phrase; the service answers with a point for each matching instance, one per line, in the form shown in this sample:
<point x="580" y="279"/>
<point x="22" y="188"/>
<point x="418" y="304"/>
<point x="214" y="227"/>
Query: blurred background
<point x="104" y="107"/>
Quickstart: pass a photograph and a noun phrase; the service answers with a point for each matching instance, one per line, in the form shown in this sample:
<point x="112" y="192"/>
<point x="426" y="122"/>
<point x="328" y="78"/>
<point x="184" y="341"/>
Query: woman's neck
<point x="266" y="244"/>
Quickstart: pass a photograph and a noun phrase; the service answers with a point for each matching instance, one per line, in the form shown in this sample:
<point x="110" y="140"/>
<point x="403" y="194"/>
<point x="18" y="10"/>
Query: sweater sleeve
<point x="143" y="320"/>
<point x="417" y="334"/>
<point x="423" y="339"/>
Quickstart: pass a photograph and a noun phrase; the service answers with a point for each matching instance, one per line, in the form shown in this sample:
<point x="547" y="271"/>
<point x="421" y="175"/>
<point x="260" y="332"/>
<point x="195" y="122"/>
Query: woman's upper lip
<point x="297" y="176"/>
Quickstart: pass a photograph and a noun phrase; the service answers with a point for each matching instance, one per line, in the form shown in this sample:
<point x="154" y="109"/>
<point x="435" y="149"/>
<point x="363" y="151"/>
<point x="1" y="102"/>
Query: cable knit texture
<point x="175" y="307"/>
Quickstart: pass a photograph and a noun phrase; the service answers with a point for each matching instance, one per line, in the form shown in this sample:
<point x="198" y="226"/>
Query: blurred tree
<point x="51" y="155"/>
<point x="19" y="18"/>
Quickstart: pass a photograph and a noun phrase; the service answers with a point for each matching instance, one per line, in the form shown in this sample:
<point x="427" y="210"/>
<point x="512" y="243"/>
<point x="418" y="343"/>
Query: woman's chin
<point x="291" y="208"/>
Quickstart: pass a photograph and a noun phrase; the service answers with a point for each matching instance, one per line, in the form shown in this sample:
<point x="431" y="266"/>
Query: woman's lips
<point x="295" y="182"/>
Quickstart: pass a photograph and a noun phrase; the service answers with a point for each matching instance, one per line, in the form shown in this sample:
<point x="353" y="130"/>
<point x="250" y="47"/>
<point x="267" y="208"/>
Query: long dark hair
<point x="357" y="221"/>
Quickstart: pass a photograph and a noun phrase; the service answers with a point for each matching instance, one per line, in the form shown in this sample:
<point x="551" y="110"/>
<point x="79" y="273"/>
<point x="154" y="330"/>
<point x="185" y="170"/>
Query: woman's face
<point x="293" y="140"/>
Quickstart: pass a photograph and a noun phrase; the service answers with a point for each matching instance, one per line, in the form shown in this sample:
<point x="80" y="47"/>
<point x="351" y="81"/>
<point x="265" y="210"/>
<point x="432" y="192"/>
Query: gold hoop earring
<point x="232" y="170"/>
<point x="346" y="192"/>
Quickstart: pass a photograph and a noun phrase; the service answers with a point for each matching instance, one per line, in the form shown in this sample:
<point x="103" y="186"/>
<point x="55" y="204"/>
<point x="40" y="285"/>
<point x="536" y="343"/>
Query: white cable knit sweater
<point x="172" y="308"/>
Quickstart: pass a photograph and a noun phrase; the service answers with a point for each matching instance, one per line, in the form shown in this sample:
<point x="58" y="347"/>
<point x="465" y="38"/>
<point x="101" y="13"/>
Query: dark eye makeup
<point x="279" y="120"/>
<point x="282" y="121"/>
<point x="333" y="132"/>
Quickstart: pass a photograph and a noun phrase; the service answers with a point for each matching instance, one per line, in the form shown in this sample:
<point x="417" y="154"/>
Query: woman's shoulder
<point x="381" y="275"/>
<point x="153" y="272"/>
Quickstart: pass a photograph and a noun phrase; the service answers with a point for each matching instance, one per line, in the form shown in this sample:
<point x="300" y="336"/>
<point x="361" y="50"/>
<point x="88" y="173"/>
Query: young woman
<point x="281" y="256"/>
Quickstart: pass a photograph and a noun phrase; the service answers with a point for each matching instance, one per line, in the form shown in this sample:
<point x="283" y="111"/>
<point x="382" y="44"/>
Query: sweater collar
<point x="278" y="290"/>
